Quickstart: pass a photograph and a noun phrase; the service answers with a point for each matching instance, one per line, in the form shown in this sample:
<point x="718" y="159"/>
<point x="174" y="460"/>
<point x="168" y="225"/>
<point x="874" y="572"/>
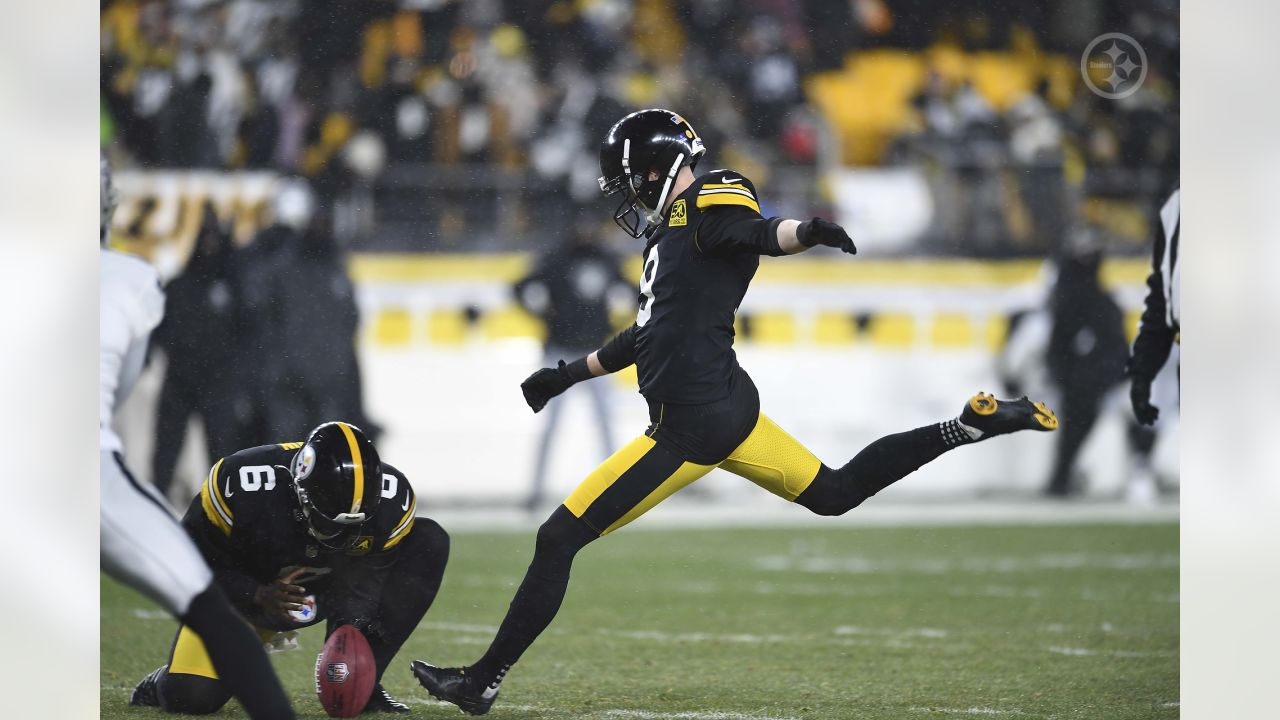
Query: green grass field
<point x="724" y="624"/>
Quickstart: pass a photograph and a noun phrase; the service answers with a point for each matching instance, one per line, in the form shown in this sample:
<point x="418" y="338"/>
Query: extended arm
<point x="618" y="353"/>
<point x="214" y="544"/>
<point x="738" y="227"/>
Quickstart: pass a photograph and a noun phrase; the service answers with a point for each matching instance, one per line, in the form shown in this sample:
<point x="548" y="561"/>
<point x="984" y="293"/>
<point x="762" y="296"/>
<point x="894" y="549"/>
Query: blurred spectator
<point x="1086" y="355"/>
<point x="570" y="289"/>
<point x="198" y="339"/>
<point x="262" y="269"/>
<point x="1004" y="131"/>
<point x="317" y="377"/>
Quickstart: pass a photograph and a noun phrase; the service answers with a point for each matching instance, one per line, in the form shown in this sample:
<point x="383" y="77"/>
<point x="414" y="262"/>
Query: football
<point x="345" y="673"/>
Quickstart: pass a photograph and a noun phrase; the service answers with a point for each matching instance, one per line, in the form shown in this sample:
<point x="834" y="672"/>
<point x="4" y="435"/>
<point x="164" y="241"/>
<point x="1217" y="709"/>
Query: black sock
<point x="538" y="599"/>
<point x="879" y="465"/>
<point x="237" y="655"/>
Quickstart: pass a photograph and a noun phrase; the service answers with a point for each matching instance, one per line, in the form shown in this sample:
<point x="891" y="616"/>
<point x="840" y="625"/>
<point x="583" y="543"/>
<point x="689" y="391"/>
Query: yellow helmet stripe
<point x="358" y="463"/>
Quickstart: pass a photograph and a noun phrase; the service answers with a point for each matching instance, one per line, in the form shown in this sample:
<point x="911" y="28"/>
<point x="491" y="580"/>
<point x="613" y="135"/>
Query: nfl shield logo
<point x="336" y="672"/>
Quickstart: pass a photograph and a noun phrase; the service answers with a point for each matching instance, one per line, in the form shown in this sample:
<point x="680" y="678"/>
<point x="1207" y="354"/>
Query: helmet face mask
<point x="640" y="157"/>
<point x="334" y="533"/>
<point x="337" y="477"/>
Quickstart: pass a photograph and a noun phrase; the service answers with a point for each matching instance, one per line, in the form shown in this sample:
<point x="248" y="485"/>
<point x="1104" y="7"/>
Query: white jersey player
<point x="142" y="543"/>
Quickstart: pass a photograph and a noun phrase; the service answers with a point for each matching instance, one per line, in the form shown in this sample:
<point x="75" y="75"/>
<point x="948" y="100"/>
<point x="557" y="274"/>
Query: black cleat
<point x="382" y="702"/>
<point x="147" y="693"/>
<point x="454" y="685"/>
<point x="990" y="417"/>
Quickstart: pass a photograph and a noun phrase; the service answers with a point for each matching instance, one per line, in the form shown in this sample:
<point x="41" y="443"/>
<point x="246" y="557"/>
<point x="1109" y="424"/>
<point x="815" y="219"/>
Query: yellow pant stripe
<point x="190" y="657"/>
<point x="607" y="474"/>
<point x="769" y="457"/>
<point x="774" y="460"/>
<point x="687" y="473"/>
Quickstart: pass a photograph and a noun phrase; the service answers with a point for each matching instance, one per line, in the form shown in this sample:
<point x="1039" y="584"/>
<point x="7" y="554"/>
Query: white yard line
<point x="676" y="513"/>
<point x="146" y="614"/>
<point x="1087" y="652"/>
<point x="689" y="715"/>
<point x="827" y="564"/>
<point x="969" y="711"/>
<point x="619" y="712"/>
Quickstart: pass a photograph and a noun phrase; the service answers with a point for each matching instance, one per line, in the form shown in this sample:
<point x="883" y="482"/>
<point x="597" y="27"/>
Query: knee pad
<point x="832" y="493"/>
<point x="192" y="694"/>
<point x="433" y="538"/>
<point x="559" y="540"/>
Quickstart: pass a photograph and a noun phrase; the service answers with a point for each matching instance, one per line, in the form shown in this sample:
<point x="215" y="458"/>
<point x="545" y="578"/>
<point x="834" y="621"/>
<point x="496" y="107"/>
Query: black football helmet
<point x="640" y="158"/>
<point x="338" y="478"/>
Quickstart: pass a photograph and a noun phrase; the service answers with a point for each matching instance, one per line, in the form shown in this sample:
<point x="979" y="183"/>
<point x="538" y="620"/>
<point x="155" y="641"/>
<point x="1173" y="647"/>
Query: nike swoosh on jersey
<point x="730" y="180"/>
<point x="227" y="492"/>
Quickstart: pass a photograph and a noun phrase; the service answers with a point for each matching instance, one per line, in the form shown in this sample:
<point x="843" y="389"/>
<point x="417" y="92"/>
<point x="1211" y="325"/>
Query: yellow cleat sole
<point x="1045" y="417"/>
<point x="984" y="404"/>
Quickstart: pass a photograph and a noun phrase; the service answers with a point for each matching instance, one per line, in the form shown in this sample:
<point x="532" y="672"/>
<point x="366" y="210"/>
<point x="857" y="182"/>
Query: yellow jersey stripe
<point x="406" y="524"/>
<point x="215" y="509"/>
<point x="218" y="497"/>
<point x="726" y="186"/>
<point x="705" y="201"/>
<point x="291" y="446"/>
<point x="358" y="463"/>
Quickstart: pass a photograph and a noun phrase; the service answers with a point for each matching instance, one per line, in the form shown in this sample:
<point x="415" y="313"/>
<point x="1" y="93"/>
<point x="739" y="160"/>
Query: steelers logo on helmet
<point x="640" y="157"/>
<point x="305" y="462"/>
<point x="338" y="481"/>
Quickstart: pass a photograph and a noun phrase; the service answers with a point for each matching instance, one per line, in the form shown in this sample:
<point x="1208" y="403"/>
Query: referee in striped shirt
<point x="1160" y="327"/>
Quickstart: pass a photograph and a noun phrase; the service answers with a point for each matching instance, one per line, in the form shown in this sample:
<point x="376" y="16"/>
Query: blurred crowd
<point x="361" y="94"/>
<point x="259" y="340"/>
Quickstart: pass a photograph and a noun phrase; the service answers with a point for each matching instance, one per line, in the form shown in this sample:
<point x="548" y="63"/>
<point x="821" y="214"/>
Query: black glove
<point x="1140" y="396"/>
<point x="545" y="384"/>
<point x="824" y="232"/>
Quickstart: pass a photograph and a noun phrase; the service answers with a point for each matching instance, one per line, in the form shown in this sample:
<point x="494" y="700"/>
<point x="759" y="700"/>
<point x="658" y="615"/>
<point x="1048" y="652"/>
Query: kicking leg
<point x="893" y="457"/>
<point x="777" y="462"/>
<point x="628" y="484"/>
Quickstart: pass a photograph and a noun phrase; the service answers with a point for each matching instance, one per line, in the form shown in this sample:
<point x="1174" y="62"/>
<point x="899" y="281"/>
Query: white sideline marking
<point x="908" y="632"/>
<point x="619" y="712"/>
<point x="1086" y="652"/>
<point x="460" y="627"/>
<point x="967" y="711"/>
<point x="144" y="614"/>
<point x="688" y="715"/>
<point x="844" y="635"/>
<point x="695" y="637"/>
<point x="932" y="566"/>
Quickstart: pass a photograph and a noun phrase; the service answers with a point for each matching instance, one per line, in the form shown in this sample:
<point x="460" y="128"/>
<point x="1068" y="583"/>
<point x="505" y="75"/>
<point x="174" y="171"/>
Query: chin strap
<point x="654" y="217"/>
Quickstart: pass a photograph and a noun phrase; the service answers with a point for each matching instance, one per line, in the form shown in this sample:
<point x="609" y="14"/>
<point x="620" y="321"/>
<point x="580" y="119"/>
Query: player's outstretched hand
<point x="824" y="232"/>
<point x="1140" y="396"/>
<point x="545" y="384"/>
<point x="280" y="596"/>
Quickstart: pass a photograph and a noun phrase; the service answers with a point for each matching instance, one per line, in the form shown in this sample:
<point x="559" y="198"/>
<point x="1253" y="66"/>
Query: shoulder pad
<point x="399" y="502"/>
<point x="727" y="187"/>
<point x="245" y="473"/>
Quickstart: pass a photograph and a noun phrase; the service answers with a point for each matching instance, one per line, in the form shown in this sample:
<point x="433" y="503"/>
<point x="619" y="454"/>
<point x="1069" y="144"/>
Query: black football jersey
<point x="697" y="266"/>
<point x="249" y="526"/>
